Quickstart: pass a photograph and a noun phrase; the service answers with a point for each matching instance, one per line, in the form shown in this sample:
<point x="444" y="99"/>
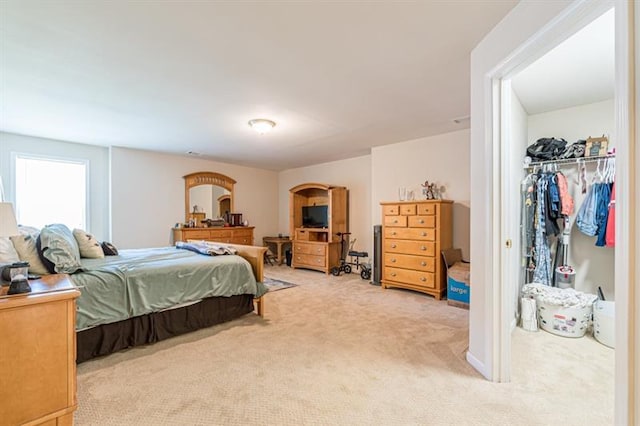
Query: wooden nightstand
<point x="38" y="353"/>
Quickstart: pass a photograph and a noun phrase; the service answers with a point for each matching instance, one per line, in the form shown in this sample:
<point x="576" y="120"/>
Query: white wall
<point x="98" y="157"/>
<point x="352" y="173"/>
<point x="443" y="159"/>
<point x="147" y="194"/>
<point x="594" y="265"/>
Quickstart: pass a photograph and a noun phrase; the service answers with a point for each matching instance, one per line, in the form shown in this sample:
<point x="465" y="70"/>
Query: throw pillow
<point x="8" y="253"/>
<point x="60" y="247"/>
<point x="87" y="244"/>
<point x="25" y="245"/>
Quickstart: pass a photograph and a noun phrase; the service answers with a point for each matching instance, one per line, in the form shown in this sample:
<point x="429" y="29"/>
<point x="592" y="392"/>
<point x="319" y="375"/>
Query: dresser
<point x="232" y="235"/>
<point x="414" y="233"/>
<point x="38" y="353"/>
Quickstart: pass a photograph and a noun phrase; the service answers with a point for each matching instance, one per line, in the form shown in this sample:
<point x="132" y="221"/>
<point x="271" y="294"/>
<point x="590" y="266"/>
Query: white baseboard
<point x="475" y="363"/>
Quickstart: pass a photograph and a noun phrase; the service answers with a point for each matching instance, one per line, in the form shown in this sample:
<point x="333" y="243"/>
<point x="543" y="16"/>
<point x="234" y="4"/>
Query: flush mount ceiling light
<point x="262" y="125"/>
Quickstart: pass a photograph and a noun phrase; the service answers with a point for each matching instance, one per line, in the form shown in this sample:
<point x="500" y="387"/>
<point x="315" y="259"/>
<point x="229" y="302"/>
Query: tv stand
<point x="317" y="248"/>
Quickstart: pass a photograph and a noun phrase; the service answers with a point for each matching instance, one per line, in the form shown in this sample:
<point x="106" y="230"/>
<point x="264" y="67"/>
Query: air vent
<point x="193" y="153"/>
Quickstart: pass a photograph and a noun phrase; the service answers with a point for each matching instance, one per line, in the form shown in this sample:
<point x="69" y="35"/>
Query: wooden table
<point x="279" y="242"/>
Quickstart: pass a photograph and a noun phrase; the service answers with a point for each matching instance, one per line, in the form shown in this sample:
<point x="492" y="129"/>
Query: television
<point x="315" y="216"/>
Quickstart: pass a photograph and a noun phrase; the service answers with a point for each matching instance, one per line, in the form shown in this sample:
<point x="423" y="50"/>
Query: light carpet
<point x="339" y="351"/>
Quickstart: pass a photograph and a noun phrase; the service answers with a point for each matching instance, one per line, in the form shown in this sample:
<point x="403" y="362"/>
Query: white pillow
<point x="27" y="249"/>
<point x="8" y="253"/>
<point x="88" y="245"/>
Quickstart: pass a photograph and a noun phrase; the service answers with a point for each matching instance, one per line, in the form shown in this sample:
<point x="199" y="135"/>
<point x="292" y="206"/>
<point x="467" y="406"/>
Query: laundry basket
<point x="566" y="322"/>
<point x="604" y="319"/>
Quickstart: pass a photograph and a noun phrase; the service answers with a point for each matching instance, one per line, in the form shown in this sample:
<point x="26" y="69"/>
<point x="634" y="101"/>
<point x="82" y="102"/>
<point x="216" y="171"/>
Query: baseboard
<point x="475" y="363"/>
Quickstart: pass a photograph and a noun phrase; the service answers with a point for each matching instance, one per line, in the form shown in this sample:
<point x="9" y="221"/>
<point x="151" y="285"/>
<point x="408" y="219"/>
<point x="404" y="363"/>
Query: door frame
<point x="566" y="23"/>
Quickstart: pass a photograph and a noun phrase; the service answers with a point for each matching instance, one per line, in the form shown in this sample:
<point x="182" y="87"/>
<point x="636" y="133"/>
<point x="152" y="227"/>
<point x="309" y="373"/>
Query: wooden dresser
<point x="38" y="353"/>
<point x="232" y="235"/>
<point x="414" y="234"/>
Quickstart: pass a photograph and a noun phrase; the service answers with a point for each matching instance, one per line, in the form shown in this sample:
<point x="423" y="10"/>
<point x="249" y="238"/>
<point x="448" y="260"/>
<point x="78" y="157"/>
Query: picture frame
<point x="596" y="146"/>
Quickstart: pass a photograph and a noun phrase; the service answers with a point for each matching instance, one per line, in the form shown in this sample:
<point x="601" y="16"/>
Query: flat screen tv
<point x="315" y="216"/>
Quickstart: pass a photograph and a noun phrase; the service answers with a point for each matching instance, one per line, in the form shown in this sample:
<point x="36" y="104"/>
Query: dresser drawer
<point x="421" y="248"/>
<point x="417" y="278"/>
<point x="245" y="241"/>
<point x="310" y="260"/>
<point x="196" y="234"/>
<point x="422" y="221"/>
<point x="427" y="209"/>
<point x="405" y="261"/>
<point x="242" y="232"/>
<point x="306" y="248"/>
<point x="390" y="210"/>
<point x="395" y="221"/>
<point x="425" y="234"/>
<point x="408" y="209"/>
<point x="220" y="233"/>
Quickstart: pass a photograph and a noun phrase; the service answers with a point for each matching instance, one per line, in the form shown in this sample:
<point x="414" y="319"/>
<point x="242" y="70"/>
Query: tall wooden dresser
<point x="414" y="234"/>
<point x="38" y="353"/>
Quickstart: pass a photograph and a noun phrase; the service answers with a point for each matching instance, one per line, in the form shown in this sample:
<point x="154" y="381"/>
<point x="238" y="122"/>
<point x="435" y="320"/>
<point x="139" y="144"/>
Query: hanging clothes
<point x="566" y="201"/>
<point x="586" y="218"/>
<point x="527" y="223"/>
<point x="602" y="211"/>
<point x="610" y="235"/>
<point x="542" y="254"/>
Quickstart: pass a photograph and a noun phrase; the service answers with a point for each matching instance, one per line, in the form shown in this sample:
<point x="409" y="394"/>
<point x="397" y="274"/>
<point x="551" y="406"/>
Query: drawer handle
<point x="421" y="221"/>
<point x="423" y="248"/>
<point x="318" y="260"/>
<point x="423" y="279"/>
<point x="393" y="260"/>
<point x="424" y="234"/>
<point x="393" y="233"/>
<point x="423" y="263"/>
<point x="393" y="246"/>
<point x="393" y="274"/>
<point x="395" y="221"/>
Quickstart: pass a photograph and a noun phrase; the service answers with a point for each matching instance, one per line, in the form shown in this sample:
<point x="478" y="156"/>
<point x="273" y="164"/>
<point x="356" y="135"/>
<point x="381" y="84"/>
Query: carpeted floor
<point x="339" y="351"/>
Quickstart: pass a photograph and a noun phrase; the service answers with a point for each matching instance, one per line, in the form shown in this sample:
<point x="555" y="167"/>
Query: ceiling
<point x="579" y="71"/>
<point x="337" y="77"/>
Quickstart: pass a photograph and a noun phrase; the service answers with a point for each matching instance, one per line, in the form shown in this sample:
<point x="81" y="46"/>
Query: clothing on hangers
<point x="602" y="211"/>
<point x="610" y="234"/>
<point x="566" y="201"/>
<point x="586" y="217"/>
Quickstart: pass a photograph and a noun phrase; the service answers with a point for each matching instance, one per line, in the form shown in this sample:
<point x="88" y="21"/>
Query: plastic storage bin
<point x="604" y="320"/>
<point x="566" y="322"/>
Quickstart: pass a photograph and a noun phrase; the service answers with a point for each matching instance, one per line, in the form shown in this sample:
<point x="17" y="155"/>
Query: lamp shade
<point x="8" y="224"/>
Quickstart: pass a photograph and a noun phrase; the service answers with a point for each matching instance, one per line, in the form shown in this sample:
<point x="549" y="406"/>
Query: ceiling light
<point x="262" y="125"/>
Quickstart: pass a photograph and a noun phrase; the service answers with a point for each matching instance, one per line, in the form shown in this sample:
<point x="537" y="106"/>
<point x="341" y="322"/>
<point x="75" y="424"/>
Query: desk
<point x="279" y="242"/>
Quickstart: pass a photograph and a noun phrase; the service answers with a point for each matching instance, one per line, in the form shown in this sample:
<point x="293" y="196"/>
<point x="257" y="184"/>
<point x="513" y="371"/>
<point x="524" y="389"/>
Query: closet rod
<point x="568" y="161"/>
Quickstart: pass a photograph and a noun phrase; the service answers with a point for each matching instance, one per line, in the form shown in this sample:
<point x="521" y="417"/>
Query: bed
<point x="144" y="296"/>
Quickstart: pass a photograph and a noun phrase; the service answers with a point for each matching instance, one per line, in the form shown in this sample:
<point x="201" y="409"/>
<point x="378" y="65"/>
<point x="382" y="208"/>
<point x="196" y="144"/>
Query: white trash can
<point x="604" y="320"/>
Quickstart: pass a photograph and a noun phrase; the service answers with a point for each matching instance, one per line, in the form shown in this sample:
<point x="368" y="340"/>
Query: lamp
<point x="17" y="272"/>
<point x="262" y="125"/>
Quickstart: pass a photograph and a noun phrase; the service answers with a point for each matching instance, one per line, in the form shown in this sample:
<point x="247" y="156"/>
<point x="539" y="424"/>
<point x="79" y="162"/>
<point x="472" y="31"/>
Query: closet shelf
<point x="565" y="161"/>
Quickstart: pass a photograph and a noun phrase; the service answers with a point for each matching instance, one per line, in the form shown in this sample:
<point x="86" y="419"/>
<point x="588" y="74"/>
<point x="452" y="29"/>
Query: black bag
<point x="546" y="149"/>
<point x="109" y="249"/>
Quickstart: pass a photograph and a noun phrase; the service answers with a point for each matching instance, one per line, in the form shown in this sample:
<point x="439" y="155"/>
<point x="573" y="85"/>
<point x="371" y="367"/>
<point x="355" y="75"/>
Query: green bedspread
<point x="141" y="281"/>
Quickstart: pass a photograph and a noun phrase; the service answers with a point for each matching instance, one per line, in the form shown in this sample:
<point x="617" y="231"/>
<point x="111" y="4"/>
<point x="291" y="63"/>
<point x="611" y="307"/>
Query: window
<point x="51" y="190"/>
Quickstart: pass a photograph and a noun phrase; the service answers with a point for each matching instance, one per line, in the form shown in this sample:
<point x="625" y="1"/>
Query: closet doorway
<point x="510" y="139"/>
<point x="568" y="95"/>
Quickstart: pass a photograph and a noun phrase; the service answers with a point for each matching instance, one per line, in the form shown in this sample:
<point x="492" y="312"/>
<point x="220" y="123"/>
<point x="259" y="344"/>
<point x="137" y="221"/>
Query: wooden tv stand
<point x="317" y="248"/>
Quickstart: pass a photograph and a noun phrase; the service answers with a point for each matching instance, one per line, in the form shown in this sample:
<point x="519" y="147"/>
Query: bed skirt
<point x="151" y="328"/>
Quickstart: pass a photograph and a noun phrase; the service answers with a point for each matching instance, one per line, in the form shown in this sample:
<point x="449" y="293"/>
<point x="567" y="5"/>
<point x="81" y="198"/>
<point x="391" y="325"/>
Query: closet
<point x="561" y="206"/>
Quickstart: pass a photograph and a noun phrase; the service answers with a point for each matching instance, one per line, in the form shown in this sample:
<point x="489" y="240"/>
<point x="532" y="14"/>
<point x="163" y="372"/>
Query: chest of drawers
<point x="231" y="235"/>
<point x="414" y="234"/>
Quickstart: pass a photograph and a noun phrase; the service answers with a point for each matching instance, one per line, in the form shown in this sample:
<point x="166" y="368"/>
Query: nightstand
<point x="38" y="353"/>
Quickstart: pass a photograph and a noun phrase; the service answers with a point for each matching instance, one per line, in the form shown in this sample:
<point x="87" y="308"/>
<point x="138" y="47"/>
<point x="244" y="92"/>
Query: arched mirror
<point x="207" y="195"/>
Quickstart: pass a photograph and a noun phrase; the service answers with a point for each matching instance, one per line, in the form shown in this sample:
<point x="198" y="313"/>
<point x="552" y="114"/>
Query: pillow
<point x="25" y="245"/>
<point x="59" y="247"/>
<point x="8" y="253"/>
<point x="109" y="249"/>
<point x="87" y="244"/>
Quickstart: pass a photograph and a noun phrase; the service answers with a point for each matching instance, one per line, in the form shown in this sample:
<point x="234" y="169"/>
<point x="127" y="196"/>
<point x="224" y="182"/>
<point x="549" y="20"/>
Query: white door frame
<point x="574" y="17"/>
